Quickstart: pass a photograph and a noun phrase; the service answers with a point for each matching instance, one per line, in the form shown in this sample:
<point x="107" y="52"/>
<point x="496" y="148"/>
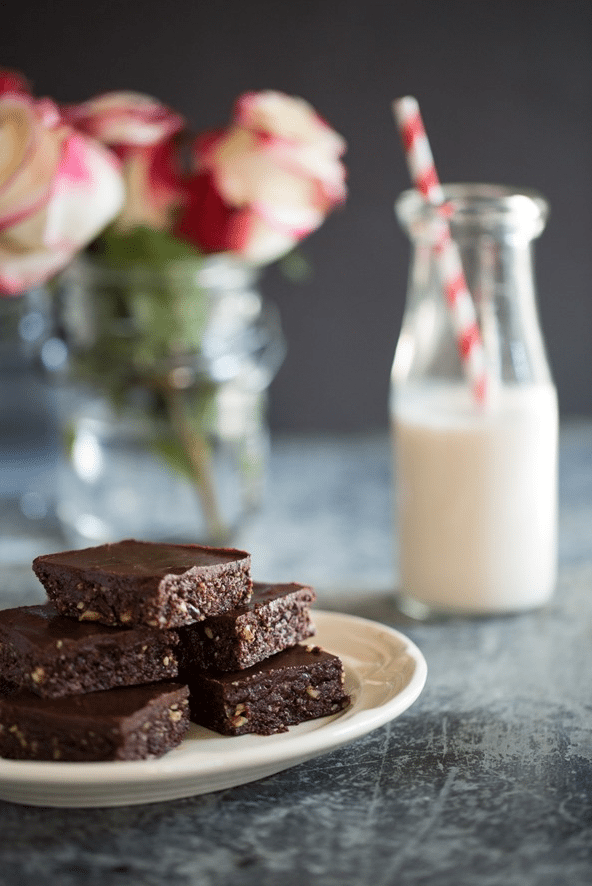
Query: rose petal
<point x="254" y="240"/>
<point x="13" y="82"/>
<point x="31" y="156"/>
<point x="306" y="160"/>
<point x="124" y="118"/>
<point x="206" y="219"/>
<point x="87" y="193"/>
<point x="154" y="189"/>
<point x="20" y="272"/>
<point x="287" y="117"/>
<point x="295" y="222"/>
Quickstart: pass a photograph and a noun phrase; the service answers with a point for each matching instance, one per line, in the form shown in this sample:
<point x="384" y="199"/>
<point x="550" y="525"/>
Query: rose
<point x="58" y="188"/>
<point x="141" y="131"/>
<point x="13" y="81"/>
<point x="266" y="181"/>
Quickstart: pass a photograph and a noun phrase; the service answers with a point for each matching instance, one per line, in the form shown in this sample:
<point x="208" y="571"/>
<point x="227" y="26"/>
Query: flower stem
<point x="198" y="453"/>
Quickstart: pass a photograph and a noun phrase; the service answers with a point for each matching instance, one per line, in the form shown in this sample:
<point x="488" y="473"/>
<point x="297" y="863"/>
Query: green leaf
<point x="144" y="246"/>
<point x="295" y="266"/>
<point x="159" y="290"/>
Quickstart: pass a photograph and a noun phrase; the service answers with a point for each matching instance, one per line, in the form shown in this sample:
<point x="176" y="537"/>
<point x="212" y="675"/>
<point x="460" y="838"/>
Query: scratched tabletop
<point x="485" y="780"/>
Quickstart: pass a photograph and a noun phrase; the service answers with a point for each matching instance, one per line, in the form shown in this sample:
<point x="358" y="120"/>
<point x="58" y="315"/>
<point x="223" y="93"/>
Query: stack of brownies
<point x="139" y="638"/>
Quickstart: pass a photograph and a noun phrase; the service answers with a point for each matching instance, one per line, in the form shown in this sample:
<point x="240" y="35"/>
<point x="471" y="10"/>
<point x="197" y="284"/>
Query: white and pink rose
<point x="142" y="132"/>
<point x="266" y="181"/>
<point x="256" y="188"/>
<point x="58" y="188"/>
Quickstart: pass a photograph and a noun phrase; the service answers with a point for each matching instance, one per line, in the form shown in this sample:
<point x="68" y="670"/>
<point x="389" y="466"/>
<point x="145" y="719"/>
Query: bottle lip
<point x="478" y="206"/>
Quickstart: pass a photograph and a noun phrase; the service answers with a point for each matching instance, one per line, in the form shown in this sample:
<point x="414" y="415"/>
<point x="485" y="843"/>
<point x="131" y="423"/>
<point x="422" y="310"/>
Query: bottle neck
<point x="500" y="276"/>
<point x="494" y="234"/>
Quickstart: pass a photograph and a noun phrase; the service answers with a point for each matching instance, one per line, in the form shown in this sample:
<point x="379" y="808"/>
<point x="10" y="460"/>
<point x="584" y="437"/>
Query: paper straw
<point x="425" y="178"/>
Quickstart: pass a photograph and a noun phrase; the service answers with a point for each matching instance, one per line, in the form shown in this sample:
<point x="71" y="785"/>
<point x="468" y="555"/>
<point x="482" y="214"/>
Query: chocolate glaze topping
<point x="41" y="626"/>
<point x="143" y="559"/>
<point x="96" y="707"/>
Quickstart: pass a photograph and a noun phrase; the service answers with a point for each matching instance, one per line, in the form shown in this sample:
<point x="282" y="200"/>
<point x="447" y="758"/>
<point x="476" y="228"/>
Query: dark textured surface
<point x="486" y="780"/>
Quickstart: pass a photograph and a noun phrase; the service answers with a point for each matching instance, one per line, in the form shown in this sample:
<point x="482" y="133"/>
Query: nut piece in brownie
<point x="53" y="655"/>
<point x="129" y="723"/>
<point x="297" y="684"/>
<point x="277" y="616"/>
<point x="134" y="582"/>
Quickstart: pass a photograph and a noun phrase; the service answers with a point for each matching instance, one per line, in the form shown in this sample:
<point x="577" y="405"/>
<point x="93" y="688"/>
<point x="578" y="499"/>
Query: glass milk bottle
<point x="476" y="484"/>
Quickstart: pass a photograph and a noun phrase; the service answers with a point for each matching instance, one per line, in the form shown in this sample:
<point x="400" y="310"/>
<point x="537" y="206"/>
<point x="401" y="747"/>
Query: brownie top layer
<point x="264" y="593"/>
<point x="296" y="658"/>
<point x="141" y="559"/>
<point x="43" y="628"/>
<point x="107" y="705"/>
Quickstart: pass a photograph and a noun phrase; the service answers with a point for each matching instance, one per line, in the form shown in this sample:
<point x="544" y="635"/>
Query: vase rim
<point x="216" y="271"/>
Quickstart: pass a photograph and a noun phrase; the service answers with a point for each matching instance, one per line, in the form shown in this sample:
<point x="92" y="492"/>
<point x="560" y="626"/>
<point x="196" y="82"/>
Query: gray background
<point x="506" y="93"/>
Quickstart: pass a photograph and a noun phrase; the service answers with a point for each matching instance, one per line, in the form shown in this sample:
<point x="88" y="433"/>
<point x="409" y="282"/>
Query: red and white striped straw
<point x="425" y="178"/>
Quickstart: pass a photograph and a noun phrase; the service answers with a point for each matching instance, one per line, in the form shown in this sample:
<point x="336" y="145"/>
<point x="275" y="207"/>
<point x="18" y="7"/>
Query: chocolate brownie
<point x="297" y="684"/>
<point x="130" y="723"/>
<point x="133" y="582"/>
<point x="53" y="655"/>
<point x="277" y="616"/>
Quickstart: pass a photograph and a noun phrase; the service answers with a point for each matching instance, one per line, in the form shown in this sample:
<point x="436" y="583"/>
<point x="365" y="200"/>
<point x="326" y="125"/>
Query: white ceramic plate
<point x="385" y="673"/>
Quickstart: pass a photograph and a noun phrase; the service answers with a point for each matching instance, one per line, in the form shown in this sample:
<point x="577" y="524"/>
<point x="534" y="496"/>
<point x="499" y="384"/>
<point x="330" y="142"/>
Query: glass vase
<point x="28" y="431"/>
<point x="164" y="396"/>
